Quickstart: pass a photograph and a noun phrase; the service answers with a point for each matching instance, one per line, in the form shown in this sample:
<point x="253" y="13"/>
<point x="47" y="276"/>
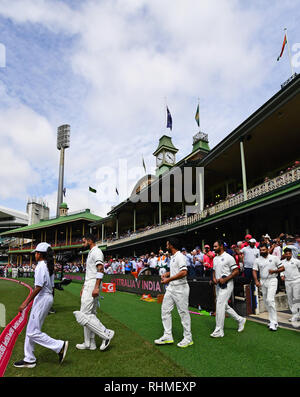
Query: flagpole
<point x="199" y="113"/>
<point x="287" y="41"/>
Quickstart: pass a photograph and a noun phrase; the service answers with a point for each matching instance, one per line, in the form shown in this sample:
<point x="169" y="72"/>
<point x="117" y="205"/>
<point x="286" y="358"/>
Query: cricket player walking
<point x="268" y="266"/>
<point x="291" y="276"/>
<point x="224" y="270"/>
<point x="42" y="297"/>
<point x="177" y="293"/>
<point x="89" y="299"/>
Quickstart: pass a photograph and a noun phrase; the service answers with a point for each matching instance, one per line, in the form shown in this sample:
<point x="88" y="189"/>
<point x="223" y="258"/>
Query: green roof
<point x="165" y="142"/>
<point x="86" y="216"/>
<point x="63" y="205"/>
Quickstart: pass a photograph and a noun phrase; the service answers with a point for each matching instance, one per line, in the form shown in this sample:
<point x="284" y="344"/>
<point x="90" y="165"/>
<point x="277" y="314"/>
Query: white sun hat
<point x="41" y="247"/>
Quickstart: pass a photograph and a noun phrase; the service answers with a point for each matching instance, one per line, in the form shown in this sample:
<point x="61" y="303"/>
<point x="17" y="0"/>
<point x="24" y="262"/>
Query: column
<point x="102" y="232"/>
<point x="98" y="236"/>
<point x="55" y="237"/>
<point x="243" y="169"/>
<point x="117" y="228"/>
<point x="66" y="235"/>
<point x="83" y="229"/>
<point x="70" y="235"/>
<point x="159" y="210"/>
<point x="134" y="219"/>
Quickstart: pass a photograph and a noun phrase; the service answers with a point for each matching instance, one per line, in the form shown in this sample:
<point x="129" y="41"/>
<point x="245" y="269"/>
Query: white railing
<point x="282" y="180"/>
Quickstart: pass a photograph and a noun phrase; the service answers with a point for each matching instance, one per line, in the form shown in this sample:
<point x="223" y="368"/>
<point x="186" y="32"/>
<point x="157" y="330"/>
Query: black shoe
<point x="51" y="311"/>
<point x="24" y="364"/>
<point x="63" y="352"/>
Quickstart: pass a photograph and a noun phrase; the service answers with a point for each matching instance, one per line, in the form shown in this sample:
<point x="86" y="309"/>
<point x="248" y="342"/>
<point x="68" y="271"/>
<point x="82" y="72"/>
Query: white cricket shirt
<point x="263" y="265"/>
<point x="223" y="265"/>
<point x="250" y="254"/>
<point x="178" y="263"/>
<point x="291" y="269"/>
<point x="95" y="258"/>
<point x="43" y="279"/>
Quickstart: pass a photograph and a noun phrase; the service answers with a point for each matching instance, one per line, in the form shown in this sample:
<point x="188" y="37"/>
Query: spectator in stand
<point x="208" y="259"/>
<point x="128" y="267"/>
<point x="250" y="253"/>
<point x="161" y="263"/>
<point x="277" y="249"/>
<point x="248" y="237"/>
<point x="139" y="265"/>
<point x="189" y="263"/>
<point x="291" y="243"/>
<point x="228" y="250"/>
<point x="198" y="262"/>
<point x="238" y="256"/>
<point x="153" y="264"/>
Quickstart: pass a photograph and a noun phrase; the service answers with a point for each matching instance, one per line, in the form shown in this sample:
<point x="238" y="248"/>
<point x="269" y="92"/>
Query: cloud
<point x="25" y="158"/>
<point x="125" y="59"/>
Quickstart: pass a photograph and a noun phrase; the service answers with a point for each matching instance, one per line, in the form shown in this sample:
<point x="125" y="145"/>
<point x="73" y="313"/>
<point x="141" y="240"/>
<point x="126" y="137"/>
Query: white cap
<point x="41" y="247"/>
<point x="267" y="236"/>
<point x="252" y="240"/>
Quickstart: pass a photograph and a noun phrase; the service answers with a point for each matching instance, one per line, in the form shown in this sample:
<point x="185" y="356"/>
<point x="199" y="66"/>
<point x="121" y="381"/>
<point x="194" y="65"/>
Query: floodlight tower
<point x="63" y="142"/>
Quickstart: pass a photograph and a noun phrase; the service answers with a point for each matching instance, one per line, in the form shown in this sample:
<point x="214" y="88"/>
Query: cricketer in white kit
<point x="89" y="299"/>
<point x="268" y="266"/>
<point x="42" y="297"/>
<point x="177" y="293"/>
<point x="291" y="276"/>
<point x="224" y="270"/>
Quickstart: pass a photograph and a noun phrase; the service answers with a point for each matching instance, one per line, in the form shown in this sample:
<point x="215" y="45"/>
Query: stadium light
<point x="63" y="142"/>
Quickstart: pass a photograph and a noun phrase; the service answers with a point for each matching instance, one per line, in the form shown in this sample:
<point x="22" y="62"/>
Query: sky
<point x="109" y="67"/>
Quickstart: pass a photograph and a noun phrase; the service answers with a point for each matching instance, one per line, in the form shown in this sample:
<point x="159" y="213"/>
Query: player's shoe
<point x="217" y="334"/>
<point x="63" y="352"/>
<point x="242" y="325"/>
<point x="106" y="342"/>
<point x="273" y="327"/>
<point x="185" y="343"/>
<point x="164" y="341"/>
<point x="83" y="346"/>
<point x="24" y="364"/>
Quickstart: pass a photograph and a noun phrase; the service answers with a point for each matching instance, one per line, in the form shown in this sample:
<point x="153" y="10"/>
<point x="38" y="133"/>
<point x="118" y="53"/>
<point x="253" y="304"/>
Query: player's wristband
<point x="99" y="275"/>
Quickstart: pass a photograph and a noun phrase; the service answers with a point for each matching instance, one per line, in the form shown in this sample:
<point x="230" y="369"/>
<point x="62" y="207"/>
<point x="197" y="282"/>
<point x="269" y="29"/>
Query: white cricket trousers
<point x="268" y="289"/>
<point x="293" y="295"/>
<point x="39" y="311"/>
<point x="222" y="297"/>
<point x="176" y="295"/>
<point x="89" y="306"/>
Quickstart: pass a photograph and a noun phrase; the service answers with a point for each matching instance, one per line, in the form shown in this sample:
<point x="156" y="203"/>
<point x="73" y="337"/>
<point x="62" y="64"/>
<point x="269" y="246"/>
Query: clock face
<point x="159" y="158"/>
<point x="170" y="158"/>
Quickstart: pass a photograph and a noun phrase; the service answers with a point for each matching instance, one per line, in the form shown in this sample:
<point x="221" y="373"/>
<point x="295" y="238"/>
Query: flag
<point x="64" y="191"/>
<point x="117" y="192"/>
<point x="197" y="117"/>
<point x="283" y="46"/>
<point x="92" y="190"/>
<point x="169" y="119"/>
<point x="144" y="165"/>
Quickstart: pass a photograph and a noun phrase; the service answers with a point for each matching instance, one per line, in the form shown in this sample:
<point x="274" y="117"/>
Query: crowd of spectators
<point x="200" y="262"/>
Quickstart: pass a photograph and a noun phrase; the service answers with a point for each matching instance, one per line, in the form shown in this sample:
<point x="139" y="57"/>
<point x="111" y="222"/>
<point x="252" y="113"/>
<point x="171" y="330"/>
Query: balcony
<point x="269" y="186"/>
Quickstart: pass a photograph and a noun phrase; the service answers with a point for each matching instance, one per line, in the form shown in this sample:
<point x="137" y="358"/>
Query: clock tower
<point x="165" y="155"/>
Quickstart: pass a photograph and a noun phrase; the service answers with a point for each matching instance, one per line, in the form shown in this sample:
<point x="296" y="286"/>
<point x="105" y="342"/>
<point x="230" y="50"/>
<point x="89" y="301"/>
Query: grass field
<point x="255" y="352"/>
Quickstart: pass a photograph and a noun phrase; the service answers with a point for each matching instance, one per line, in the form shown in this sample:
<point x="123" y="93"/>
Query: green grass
<point x="12" y="295"/>
<point x="254" y="352"/>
